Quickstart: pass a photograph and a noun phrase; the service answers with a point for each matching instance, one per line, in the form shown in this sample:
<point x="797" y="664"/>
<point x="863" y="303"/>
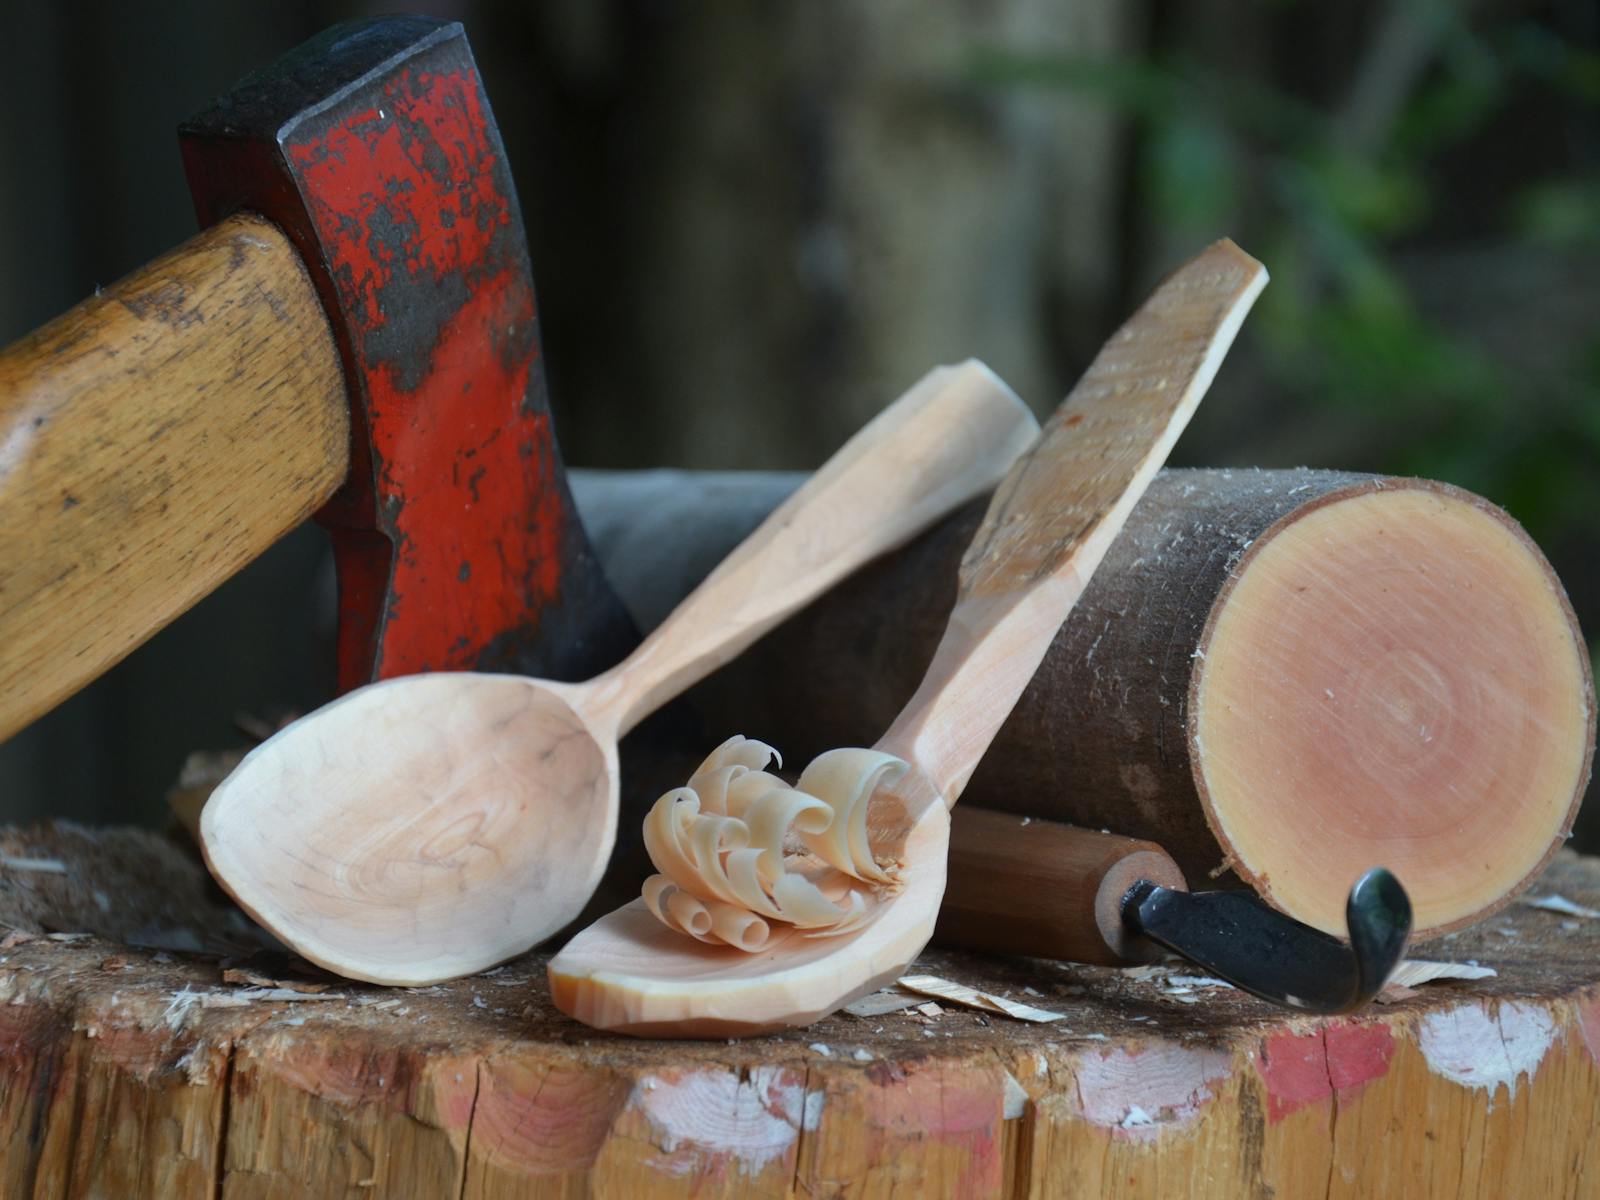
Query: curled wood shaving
<point x="738" y="849"/>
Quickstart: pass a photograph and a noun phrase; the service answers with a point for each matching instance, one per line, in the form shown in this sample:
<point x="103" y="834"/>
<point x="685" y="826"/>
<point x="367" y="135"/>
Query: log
<point x="133" y="1072"/>
<point x="1282" y="677"/>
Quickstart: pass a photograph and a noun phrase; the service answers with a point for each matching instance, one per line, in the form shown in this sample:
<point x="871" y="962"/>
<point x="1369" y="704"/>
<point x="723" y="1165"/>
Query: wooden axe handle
<point x="1029" y="886"/>
<point x="153" y="440"/>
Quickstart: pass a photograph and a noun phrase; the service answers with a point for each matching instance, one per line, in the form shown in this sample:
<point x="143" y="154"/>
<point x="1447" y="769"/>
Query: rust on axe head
<point x="457" y="544"/>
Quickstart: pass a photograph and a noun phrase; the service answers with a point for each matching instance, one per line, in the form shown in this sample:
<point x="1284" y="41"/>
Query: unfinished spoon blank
<point x="1046" y="529"/>
<point x="431" y="826"/>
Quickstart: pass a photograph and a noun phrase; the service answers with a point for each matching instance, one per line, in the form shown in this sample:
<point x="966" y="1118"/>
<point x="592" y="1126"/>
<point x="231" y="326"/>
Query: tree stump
<point x="130" y="1070"/>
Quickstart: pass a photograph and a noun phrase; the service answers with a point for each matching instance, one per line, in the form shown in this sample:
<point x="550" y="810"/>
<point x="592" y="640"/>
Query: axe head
<point x="373" y="147"/>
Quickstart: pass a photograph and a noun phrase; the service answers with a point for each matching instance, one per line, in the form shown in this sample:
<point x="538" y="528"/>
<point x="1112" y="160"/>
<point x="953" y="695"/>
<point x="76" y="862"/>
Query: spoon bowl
<point x="497" y="810"/>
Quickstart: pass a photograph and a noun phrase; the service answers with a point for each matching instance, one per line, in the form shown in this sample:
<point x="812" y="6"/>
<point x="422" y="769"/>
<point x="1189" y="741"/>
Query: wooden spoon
<point x="431" y="826"/>
<point x="1046" y="530"/>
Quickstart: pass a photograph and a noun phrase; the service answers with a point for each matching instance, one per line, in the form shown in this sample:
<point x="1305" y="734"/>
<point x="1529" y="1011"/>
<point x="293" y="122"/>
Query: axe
<point x="353" y="335"/>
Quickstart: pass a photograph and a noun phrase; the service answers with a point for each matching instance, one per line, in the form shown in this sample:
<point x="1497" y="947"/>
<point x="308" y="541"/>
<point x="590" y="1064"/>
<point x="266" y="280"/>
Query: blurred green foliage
<point x="1333" y="193"/>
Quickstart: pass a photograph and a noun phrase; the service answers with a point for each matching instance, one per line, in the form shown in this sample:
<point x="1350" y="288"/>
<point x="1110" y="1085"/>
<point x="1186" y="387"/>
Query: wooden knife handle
<point x="153" y="440"/>
<point x="1040" y="888"/>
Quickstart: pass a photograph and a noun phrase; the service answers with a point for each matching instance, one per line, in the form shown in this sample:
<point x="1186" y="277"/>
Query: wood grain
<point x="112" y="1085"/>
<point x="153" y="440"/>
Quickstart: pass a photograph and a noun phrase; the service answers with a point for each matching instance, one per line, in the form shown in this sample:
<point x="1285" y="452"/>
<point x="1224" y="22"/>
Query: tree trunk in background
<point x="818" y="202"/>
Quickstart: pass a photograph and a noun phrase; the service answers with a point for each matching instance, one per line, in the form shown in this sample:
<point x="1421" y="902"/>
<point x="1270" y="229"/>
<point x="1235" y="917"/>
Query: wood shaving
<point x="1560" y="904"/>
<point x="1194" y="981"/>
<point x="51" y="866"/>
<point x="960" y="993"/>
<point x="1415" y="971"/>
<point x="241" y="975"/>
<point x="737" y="848"/>
<point x="246" y="995"/>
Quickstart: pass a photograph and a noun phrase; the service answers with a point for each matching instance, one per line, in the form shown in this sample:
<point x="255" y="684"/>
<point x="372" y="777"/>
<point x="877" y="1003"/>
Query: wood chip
<point x="930" y="1009"/>
<point x="960" y="993"/>
<point x="1560" y="904"/>
<point x="276" y="993"/>
<point x="49" y="866"/>
<point x="15" y="938"/>
<point x="241" y="975"/>
<point x="1194" y="981"/>
<point x="1393" y="993"/>
<point x="880" y="1003"/>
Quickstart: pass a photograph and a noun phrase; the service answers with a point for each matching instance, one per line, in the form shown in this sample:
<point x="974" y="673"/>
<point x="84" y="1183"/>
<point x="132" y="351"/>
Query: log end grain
<point x="1391" y="676"/>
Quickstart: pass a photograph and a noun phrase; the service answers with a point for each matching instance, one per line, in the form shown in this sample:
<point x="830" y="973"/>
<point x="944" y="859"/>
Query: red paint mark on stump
<point x="913" y="1104"/>
<point x="1307" y="1068"/>
<point x="1357" y="1054"/>
<point x="1295" y="1070"/>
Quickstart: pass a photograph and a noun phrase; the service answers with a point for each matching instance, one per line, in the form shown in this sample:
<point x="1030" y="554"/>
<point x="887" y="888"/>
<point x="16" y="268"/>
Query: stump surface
<point x="133" y="1071"/>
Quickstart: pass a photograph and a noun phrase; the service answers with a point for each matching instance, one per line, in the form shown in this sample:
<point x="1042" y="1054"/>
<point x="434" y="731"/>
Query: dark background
<point x="754" y="223"/>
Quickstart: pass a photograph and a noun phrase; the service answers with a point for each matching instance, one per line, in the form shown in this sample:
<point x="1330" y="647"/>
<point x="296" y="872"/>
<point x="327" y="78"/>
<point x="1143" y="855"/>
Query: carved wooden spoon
<point x="1046" y="530"/>
<point x="431" y="826"/>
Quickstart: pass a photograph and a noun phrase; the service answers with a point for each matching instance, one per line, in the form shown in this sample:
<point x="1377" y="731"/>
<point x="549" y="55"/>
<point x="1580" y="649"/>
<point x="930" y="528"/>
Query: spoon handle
<point x="947" y="440"/>
<point x="1063" y="503"/>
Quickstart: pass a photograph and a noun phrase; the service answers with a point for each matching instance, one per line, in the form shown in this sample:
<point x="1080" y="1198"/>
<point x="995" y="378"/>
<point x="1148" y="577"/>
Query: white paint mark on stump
<point x="1481" y="1049"/>
<point x="1016" y="1098"/>
<point x="1139" y="1094"/>
<point x="710" y="1118"/>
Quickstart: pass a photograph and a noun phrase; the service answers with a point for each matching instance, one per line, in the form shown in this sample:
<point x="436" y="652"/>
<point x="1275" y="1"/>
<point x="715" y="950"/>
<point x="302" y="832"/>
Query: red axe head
<point x="373" y="147"/>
